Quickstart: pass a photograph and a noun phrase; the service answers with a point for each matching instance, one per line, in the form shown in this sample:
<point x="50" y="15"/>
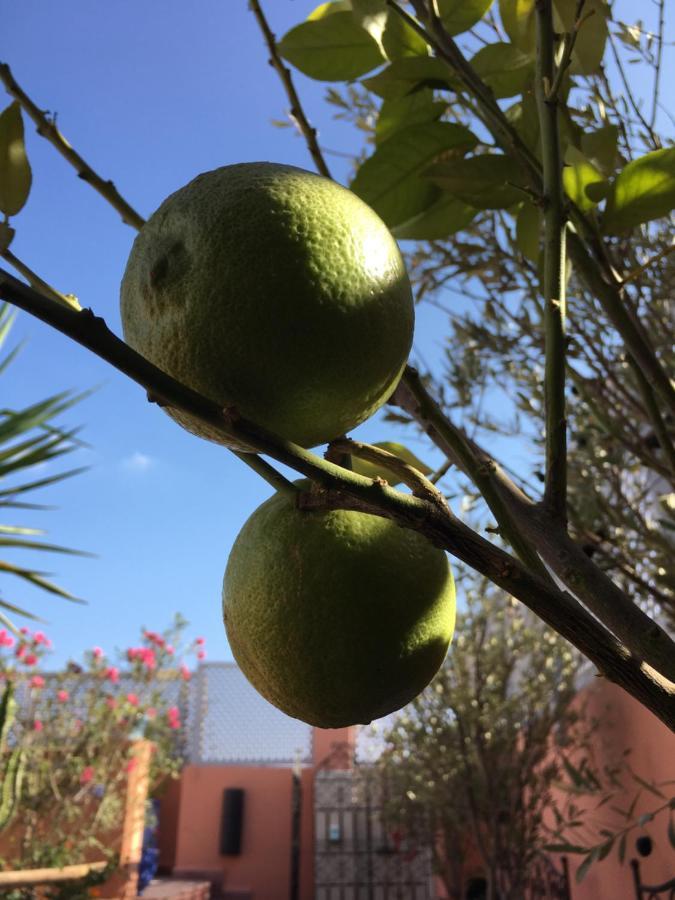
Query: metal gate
<point x="355" y="859"/>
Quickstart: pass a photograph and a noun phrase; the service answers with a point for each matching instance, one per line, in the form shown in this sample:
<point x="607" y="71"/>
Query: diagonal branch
<point x="48" y="130"/>
<point x="344" y="489"/>
<point x="296" y="110"/>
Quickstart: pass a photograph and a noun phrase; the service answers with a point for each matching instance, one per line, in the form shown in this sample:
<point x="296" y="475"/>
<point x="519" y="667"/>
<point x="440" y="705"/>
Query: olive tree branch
<point x="340" y="488"/>
<point x="553" y="281"/>
<point x="533" y="527"/>
<point x="296" y="110"/>
<point x="659" y="58"/>
<point x="48" y="130"/>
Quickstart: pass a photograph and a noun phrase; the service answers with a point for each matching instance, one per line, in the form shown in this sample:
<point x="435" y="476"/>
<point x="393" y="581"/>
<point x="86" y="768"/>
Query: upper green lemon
<point x="273" y="290"/>
<point x="336" y="617"/>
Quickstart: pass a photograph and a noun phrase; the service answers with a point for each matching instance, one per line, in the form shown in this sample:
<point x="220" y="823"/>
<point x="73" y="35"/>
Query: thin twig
<point x="296" y="109"/>
<point x="659" y="57"/>
<point x="412" y="477"/>
<point x="48" y="130"/>
<point x="569" y="41"/>
<point x="636" y="273"/>
<point x="38" y="283"/>
<point x="655" y="142"/>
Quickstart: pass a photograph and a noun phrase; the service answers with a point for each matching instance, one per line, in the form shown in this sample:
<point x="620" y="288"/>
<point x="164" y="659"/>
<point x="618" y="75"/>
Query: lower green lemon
<point x="336" y="617"/>
<point x="273" y="290"/>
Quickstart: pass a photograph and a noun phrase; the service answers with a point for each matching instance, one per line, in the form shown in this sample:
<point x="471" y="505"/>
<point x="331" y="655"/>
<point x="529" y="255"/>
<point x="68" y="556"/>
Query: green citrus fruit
<point x="273" y="290"/>
<point x="336" y="617"/>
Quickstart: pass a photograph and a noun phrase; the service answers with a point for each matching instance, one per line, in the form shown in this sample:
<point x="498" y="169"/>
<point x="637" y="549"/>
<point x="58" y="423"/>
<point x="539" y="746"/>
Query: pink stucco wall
<point x="627" y="725"/>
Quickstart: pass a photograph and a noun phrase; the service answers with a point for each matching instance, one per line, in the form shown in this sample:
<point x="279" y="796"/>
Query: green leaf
<point x="15" y="173"/>
<point x="391" y="180"/>
<point x="642" y="191"/>
<point x="460" y="15"/>
<point x="332" y="48"/>
<point x="523" y="116"/>
<point x="582" y="871"/>
<point x="406" y="75"/>
<point x="622" y="848"/>
<point x="372" y="470"/>
<point x="578" y="175"/>
<point x="601" y="147"/>
<point x="589" y="46"/>
<point x="403" y="112"/>
<point x="504" y="68"/>
<point x="37" y="579"/>
<point x="443" y="217"/>
<point x="327" y="9"/>
<point x="528" y="231"/>
<point x="399" y="40"/>
<point x="371" y="15"/>
<point x="518" y="19"/>
<point x="565" y="848"/>
<point x="480" y="181"/>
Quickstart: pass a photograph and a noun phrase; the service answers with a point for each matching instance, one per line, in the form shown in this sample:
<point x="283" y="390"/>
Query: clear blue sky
<point x="150" y="94"/>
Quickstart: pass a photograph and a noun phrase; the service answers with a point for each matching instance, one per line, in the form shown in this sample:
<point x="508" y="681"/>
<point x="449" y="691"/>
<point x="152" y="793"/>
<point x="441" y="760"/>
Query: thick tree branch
<point x="553" y="282"/>
<point x="48" y="130"/>
<point x="541" y="536"/>
<point x="342" y="488"/>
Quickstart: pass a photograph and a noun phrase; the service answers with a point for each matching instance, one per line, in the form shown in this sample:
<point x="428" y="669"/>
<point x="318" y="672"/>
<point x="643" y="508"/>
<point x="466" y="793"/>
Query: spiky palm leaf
<point x="28" y="439"/>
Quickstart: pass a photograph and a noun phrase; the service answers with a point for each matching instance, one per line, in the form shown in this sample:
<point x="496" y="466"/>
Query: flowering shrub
<point x="77" y="729"/>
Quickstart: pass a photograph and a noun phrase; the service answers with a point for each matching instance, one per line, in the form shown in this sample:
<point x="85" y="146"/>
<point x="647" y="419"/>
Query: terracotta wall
<point x="190" y="822"/>
<point x="626" y="724"/>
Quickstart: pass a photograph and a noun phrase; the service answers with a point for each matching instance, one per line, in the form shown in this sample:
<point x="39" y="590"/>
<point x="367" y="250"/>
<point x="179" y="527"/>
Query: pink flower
<point x="170" y="650"/>
<point x="110" y="702"/>
<point x="173" y="717"/>
<point x="132" y="699"/>
<point x="174" y="723"/>
<point x="201" y="654"/>
<point x="151" y="712"/>
<point x="185" y="673"/>
<point x="30" y="660"/>
<point x="131" y="764"/>
<point x="200" y="641"/>
<point x="62" y="696"/>
<point x="37" y="681"/>
<point x="97" y="652"/>
<point x="37" y="725"/>
<point x="20" y="651"/>
<point x="149" y="659"/>
<point x="40" y="638"/>
<point x="112" y="673"/>
<point x="24" y="630"/>
<point x="6" y="640"/>
<point x="86" y="774"/>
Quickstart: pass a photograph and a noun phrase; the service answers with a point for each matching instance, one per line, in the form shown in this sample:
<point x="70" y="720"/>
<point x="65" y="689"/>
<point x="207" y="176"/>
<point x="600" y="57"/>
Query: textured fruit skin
<point x="273" y="290"/>
<point x="336" y="617"/>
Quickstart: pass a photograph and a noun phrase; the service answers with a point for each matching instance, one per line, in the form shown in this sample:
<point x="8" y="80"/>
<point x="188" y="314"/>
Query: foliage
<point x="29" y="439"/>
<point x="77" y="730"/>
<point x="471" y="764"/>
<point x="480" y="232"/>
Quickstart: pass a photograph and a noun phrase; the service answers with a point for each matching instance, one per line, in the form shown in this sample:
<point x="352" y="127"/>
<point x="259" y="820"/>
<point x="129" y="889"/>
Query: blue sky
<point x="150" y="94"/>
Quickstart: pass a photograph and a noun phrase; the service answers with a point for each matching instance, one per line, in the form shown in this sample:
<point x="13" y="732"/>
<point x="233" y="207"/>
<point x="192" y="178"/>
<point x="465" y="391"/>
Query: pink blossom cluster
<point x="144" y="655"/>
